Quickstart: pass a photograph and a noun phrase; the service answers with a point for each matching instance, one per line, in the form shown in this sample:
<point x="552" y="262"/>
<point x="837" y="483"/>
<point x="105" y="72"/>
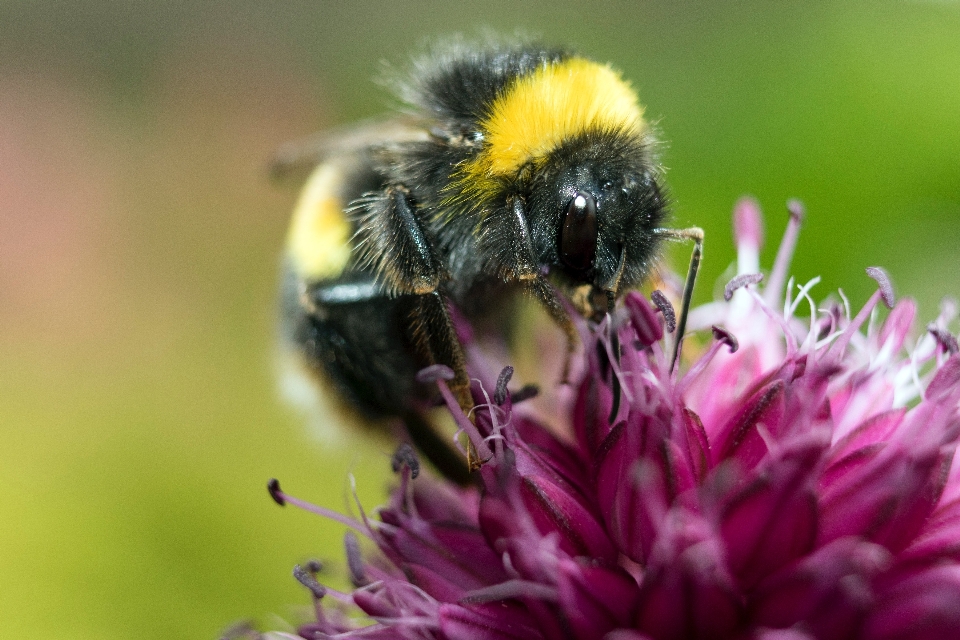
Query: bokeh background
<point x="139" y="235"/>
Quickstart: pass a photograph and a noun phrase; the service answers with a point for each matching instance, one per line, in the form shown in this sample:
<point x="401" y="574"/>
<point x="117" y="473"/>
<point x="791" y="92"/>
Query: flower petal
<point x="739" y="438"/>
<point x="828" y="590"/>
<point x="687" y="591"/>
<point x="945" y="386"/>
<point x="633" y="481"/>
<point x="888" y="495"/>
<point x="924" y="605"/>
<point x="643" y="318"/>
<point x="773" y="519"/>
<point x="556" y="510"/>
<point x="501" y="621"/>
<point x="939" y="541"/>
<point x="590" y="412"/>
<point x="596" y="599"/>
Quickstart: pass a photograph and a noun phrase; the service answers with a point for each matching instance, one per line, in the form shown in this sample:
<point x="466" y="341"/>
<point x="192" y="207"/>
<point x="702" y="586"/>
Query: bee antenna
<point x="696" y="235"/>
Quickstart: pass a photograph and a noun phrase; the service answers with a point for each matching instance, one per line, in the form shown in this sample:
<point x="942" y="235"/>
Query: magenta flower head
<point x="794" y="479"/>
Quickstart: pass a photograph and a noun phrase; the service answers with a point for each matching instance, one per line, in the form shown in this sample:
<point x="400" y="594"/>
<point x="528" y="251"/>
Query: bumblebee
<point x="515" y="169"/>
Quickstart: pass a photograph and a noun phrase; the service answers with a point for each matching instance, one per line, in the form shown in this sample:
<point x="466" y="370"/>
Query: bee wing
<point x="306" y="153"/>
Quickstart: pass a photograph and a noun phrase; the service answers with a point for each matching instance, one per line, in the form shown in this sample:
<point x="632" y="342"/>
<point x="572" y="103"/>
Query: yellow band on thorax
<point x="538" y="112"/>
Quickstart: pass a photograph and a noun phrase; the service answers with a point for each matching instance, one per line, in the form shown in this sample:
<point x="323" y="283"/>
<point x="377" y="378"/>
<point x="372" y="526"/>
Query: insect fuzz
<point x="515" y="169"/>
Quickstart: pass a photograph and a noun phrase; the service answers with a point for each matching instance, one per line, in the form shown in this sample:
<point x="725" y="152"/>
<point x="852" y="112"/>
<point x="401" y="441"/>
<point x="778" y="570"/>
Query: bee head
<point x="593" y="206"/>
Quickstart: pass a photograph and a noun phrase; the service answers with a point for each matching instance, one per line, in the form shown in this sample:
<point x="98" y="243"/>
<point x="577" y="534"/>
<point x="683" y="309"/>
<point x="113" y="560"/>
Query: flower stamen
<point x="358" y="576"/>
<point x="666" y="308"/>
<point x="307" y="576"/>
<point x="439" y="374"/>
<point x="739" y="281"/>
<point x="781" y="265"/>
<point x="884" y="292"/>
<point x="944" y="338"/>
<point x="282" y="499"/>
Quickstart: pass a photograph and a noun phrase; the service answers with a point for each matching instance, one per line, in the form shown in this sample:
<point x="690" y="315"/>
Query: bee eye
<point x="578" y="235"/>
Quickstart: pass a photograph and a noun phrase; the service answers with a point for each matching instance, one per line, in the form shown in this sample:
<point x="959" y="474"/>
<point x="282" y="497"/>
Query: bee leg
<point x="436" y="338"/>
<point x="510" y="243"/>
<point x="393" y="242"/>
<point x="614" y="378"/>
<point x="546" y="295"/>
<point x="612" y="289"/>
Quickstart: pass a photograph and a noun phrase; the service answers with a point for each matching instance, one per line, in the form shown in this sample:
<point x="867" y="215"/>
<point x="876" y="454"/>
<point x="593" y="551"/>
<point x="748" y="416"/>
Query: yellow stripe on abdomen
<point x="538" y="112"/>
<point x="318" y="242"/>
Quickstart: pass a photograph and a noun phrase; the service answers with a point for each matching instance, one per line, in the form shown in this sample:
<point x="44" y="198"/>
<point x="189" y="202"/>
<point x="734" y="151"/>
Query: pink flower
<point x="795" y="481"/>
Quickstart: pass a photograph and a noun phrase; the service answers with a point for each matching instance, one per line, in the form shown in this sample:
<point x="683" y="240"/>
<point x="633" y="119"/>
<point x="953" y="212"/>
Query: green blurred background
<point x="139" y="238"/>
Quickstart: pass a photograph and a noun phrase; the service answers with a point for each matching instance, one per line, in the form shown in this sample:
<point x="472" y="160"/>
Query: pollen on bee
<point x="538" y="112"/>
